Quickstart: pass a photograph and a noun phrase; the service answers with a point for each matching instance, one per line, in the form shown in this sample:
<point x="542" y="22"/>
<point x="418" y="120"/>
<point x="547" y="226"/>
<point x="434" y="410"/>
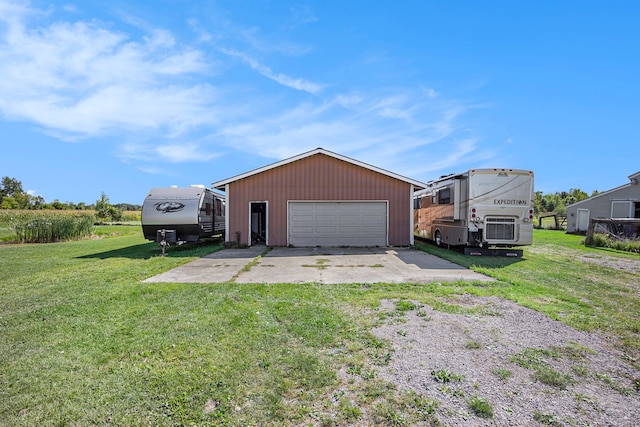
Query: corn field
<point x="39" y="227"/>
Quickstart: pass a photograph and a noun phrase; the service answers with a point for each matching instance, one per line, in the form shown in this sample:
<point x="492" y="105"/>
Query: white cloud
<point x="178" y="153"/>
<point x="366" y="126"/>
<point x="166" y="153"/>
<point x="283" y="79"/>
<point x="81" y="80"/>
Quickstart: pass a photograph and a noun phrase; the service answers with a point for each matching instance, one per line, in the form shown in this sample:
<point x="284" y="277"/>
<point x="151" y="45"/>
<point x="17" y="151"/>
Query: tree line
<point x="13" y="196"/>
<point x="557" y="202"/>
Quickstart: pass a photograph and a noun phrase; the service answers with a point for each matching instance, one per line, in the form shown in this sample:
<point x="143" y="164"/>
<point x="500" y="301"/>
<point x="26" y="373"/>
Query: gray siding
<point x="600" y="206"/>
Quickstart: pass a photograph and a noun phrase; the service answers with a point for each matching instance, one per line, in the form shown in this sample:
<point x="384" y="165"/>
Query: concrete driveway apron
<point x="258" y="264"/>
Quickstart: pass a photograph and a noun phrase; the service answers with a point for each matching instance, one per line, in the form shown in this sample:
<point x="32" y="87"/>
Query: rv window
<point x="444" y="196"/>
<point x="208" y="209"/>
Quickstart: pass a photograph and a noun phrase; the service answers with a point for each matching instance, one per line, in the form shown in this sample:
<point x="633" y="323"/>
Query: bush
<point x="601" y="241"/>
<point x="47" y="228"/>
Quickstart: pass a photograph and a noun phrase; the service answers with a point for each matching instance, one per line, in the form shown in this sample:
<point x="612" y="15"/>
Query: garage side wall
<point x="316" y="178"/>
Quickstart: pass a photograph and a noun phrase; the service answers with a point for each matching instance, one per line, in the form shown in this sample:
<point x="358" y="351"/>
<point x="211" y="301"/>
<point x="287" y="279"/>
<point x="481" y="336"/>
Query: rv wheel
<point x="438" y="238"/>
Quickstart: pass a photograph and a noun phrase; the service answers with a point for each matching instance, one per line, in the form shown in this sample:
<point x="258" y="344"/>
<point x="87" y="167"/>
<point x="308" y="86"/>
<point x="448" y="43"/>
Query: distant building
<point x="620" y="202"/>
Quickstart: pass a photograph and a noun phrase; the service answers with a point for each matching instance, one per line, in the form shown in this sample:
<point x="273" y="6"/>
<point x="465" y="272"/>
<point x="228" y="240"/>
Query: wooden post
<point x="594" y="221"/>
<point x="589" y="239"/>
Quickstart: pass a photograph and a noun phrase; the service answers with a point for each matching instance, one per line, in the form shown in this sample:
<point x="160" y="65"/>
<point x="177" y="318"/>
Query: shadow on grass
<point x="151" y="250"/>
<point x="457" y="256"/>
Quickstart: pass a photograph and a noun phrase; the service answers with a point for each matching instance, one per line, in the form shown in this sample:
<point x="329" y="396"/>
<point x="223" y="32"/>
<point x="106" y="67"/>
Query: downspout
<point x="411" y="224"/>
<point x="226" y="213"/>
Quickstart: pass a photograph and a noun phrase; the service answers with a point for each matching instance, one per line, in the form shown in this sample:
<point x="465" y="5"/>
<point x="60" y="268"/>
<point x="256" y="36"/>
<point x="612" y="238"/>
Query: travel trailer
<point x="176" y="215"/>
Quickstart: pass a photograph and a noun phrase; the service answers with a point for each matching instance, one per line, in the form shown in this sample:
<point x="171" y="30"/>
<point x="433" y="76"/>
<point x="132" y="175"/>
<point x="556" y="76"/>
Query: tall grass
<point x="48" y="228"/>
<point x="603" y="241"/>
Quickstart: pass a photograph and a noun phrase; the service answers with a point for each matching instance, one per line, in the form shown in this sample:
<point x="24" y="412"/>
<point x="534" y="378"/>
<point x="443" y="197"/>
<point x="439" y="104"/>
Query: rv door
<point x="456" y="199"/>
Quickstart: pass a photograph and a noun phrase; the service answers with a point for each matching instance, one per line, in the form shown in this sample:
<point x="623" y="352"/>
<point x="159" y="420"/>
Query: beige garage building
<point x="319" y="198"/>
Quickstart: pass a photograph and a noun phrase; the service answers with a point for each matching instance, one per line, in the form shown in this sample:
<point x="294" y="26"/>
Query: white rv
<point x="176" y="215"/>
<point x="480" y="208"/>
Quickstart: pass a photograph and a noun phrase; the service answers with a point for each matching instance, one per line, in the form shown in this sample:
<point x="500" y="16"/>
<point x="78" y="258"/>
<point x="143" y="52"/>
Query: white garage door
<point x="337" y="223"/>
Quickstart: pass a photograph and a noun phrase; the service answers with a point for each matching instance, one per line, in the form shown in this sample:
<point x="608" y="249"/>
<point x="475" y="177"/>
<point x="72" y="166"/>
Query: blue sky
<point x="122" y="96"/>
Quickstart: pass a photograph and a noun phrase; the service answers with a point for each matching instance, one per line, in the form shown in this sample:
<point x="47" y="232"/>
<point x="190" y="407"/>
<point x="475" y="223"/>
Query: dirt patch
<point x="630" y="265"/>
<point x="615" y="263"/>
<point x="530" y="369"/>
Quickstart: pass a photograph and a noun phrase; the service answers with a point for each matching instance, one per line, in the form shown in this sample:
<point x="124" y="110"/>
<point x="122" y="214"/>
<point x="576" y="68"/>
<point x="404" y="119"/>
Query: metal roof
<point x="220" y="185"/>
<point x="633" y="180"/>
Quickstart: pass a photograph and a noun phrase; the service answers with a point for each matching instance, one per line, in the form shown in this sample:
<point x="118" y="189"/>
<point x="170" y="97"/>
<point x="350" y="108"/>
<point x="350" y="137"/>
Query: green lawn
<point x="84" y="342"/>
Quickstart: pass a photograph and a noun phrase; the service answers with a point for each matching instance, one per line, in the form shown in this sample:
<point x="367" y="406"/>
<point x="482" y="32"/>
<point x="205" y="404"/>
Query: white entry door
<point x="582" y="220"/>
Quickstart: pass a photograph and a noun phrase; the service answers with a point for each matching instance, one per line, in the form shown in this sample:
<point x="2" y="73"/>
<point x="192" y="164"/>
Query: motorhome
<point x="481" y="209"/>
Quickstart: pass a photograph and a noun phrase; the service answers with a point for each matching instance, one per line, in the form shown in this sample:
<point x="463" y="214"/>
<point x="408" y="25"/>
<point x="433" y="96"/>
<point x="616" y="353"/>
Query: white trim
<point x="629" y="212"/>
<point x="220" y="184"/>
<point x="386" y="202"/>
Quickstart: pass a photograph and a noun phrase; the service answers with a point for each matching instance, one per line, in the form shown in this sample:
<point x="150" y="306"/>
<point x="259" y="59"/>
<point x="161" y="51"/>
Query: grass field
<point x="84" y="342"/>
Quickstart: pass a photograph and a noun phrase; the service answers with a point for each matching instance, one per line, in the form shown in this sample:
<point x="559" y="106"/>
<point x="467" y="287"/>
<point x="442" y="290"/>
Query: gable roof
<point x="633" y="180"/>
<point x="221" y="184"/>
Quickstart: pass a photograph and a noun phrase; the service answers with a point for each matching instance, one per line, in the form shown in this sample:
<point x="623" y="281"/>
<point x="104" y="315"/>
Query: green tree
<point x="558" y="201"/>
<point x="105" y="211"/>
<point x="12" y="196"/>
<point x="8" y="202"/>
<point x="58" y="205"/>
<point x="38" y="202"/>
<point x="102" y="207"/>
<point x="10" y="187"/>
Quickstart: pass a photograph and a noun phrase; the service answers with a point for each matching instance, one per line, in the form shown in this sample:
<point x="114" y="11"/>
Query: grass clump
<point x="406" y="409"/>
<point x="444" y="376"/>
<point x="503" y="374"/>
<point x="474" y="345"/>
<point x="480" y="407"/>
<point x="547" y="419"/>
<point x="533" y="358"/>
<point x="552" y="377"/>
<point x="348" y="412"/>
<point x="405" y="306"/>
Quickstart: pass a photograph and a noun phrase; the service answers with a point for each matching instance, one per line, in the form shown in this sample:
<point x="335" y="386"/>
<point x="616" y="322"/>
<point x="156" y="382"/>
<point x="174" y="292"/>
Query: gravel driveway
<point x="503" y="353"/>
